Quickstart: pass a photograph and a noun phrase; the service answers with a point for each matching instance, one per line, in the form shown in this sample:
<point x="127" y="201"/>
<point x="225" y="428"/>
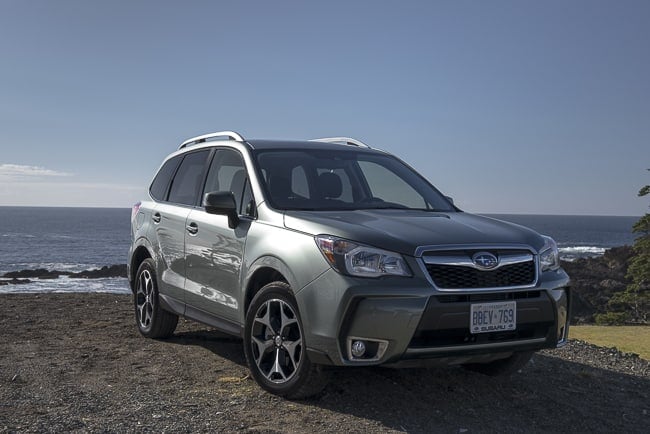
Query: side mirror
<point x="222" y="203"/>
<point x="450" y="199"/>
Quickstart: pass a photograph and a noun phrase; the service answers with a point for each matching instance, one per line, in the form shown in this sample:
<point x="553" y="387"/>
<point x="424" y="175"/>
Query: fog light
<point x="358" y="349"/>
<point x="365" y="350"/>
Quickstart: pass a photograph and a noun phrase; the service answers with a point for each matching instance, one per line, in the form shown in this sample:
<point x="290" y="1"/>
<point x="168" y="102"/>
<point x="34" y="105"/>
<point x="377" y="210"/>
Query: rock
<point x="612" y="284"/>
<point x="15" y="281"/>
<point x="112" y="271"/>
<point x="39" y="273"/>
<point x="42" y="273"/>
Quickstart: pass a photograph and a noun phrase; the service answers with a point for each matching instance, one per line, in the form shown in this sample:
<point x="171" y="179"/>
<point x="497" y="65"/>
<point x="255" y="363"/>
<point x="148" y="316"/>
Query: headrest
<point x="330" y="185"/>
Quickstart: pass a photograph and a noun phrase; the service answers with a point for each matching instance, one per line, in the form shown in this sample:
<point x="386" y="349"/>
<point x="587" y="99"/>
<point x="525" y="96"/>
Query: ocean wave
<point x="571" y="253"/>
<point x="583" y="249"/>
<point x="73" y="267"/>
<point x="17" y="235"/>
<point x="64" y="284"/>
<point x="61" y="237"/>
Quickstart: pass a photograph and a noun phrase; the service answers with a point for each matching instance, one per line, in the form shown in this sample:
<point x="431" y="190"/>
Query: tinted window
<point x="299" y="183"/>
<point x="160" y="183"/>
<point x="344" y="180"/>
<point x="248" y="202"/>
<point x="387" y="186"/>
<point x="186" y="184"/>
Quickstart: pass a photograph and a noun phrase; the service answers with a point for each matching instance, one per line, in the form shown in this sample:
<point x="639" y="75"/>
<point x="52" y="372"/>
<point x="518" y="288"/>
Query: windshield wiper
<point x="387" y="206"/>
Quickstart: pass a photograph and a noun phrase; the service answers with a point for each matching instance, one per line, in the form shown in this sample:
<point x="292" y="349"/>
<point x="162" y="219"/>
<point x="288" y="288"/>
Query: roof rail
<point x="200" y="139"/>
<point x="343" y="140"/>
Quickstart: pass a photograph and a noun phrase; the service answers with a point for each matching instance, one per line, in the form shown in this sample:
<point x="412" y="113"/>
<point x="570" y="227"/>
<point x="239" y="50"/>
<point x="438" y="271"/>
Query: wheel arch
<point x="262" y="272"/>
<point x="140" y="253"/>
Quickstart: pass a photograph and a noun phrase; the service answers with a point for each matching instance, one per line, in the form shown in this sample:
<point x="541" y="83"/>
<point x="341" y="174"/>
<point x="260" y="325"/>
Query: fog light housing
<point x="365" y="349"/>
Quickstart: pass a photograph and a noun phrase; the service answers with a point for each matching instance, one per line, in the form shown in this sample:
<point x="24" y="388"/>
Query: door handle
<point x="192" y="228"/>
<point x="156" y="217"/>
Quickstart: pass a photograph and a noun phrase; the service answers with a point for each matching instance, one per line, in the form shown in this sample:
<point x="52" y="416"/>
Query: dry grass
<point x="630" y="339"/>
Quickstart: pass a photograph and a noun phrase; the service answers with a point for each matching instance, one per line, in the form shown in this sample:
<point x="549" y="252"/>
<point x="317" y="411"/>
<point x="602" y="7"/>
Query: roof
<point x="302" y="144"/>
<point x="326" y="144"/>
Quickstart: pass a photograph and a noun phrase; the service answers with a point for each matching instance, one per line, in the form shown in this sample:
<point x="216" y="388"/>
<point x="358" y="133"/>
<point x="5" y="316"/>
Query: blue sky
<point x="508" y="106"/>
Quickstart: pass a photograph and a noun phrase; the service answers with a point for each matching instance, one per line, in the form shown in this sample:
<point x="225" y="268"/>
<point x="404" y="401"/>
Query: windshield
<point x="320" y="180"/>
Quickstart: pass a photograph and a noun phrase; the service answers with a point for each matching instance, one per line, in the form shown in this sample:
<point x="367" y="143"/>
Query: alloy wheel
<point x="144" y="299"/>
<point x="276" y="341"/>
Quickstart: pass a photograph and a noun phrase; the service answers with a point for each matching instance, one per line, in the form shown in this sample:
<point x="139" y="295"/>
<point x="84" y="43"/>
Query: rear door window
<point x="187" y="181"/>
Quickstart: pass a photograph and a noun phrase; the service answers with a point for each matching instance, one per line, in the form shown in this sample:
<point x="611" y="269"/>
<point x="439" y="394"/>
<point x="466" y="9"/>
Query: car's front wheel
<point x="274" y="345"/>
<point x="152" y="320"/>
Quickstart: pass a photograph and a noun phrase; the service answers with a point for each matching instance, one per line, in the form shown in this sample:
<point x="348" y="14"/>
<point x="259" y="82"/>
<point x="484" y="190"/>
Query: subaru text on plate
<point x="330" y="253"/>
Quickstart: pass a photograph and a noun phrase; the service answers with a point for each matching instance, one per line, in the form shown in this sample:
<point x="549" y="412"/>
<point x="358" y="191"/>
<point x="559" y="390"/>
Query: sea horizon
<point x="488" y="214"/>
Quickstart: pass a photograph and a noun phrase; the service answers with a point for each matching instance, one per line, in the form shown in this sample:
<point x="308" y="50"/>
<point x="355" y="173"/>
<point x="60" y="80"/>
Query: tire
<point x="151" y="319"/>
<point x="502" y="367"/>
<point x="275" y="347"/>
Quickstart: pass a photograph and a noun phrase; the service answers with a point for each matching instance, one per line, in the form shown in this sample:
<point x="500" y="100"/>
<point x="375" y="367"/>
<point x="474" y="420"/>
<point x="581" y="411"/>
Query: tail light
<point x="135" y="209"/>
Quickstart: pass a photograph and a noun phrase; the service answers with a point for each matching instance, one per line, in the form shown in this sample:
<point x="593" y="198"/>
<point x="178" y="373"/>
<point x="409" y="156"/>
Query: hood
<point x="403" y="231"/>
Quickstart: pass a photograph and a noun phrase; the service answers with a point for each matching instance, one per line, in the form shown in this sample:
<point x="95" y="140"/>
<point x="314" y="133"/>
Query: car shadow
<point x="549" y="394"/>
<point x="221" y="344"/>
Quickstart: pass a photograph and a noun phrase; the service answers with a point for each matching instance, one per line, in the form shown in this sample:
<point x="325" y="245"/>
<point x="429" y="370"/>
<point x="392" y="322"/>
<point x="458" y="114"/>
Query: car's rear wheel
<point x="152" y="320"/>
<point x="502" y="367"/>
<point x="274" y="345"/>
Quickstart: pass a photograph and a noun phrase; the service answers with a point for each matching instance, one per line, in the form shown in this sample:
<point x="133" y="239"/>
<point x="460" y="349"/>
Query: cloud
<point x="82" y="194"/>
<point x="19" y="171"/>
<point x="23" y="185"/>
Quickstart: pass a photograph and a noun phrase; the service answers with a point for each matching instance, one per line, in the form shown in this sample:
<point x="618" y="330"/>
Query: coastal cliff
<point x="594" y="281"/>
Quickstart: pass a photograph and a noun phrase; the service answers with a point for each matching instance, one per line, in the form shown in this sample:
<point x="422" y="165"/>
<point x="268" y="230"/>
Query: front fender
<point x="276" y="264"/>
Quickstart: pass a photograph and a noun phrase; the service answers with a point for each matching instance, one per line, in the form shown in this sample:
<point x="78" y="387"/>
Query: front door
<point x="213" y="251"/>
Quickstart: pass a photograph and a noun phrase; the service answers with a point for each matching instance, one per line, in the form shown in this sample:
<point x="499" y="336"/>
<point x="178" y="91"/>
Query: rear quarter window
<point x="160" y="184"/>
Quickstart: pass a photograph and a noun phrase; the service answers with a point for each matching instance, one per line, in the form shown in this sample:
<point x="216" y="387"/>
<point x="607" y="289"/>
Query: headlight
<point x="549" y="258"/>
<point x="358" y="260"/>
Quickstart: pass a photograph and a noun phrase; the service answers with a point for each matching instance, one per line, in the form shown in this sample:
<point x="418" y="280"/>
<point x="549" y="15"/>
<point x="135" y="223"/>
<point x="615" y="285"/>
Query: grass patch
<point x="630" y="339"/>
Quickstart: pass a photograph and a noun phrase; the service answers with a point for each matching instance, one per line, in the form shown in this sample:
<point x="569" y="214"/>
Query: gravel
<point x="75" y="362"/>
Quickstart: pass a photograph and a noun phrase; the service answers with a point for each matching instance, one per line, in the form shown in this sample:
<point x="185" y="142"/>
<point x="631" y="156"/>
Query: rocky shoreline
<point x="593" y="280"/>
<point x="25" y="276"/>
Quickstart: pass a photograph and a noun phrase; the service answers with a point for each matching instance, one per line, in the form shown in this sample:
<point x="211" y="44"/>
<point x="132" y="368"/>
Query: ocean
<point x="64" y="239"/>
<point x="76" y="239"/>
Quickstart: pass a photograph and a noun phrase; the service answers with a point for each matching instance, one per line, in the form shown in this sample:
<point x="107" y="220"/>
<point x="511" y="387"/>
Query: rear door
<point x="169" y="219"/>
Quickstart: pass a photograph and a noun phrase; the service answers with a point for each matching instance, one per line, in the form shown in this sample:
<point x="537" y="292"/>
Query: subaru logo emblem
<point x="485" y="260"/>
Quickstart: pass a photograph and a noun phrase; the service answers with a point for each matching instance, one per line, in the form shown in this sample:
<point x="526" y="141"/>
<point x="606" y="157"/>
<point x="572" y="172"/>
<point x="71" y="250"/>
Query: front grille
<point x="492" y="296"/>
<point x="461" y="277"/>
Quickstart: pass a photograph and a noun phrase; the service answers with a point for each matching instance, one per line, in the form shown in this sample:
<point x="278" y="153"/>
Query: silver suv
<point x="330" y="253"/>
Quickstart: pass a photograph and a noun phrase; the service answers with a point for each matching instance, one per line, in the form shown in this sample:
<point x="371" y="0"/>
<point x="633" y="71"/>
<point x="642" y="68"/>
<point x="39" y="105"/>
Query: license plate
<point x="493" y="317"/>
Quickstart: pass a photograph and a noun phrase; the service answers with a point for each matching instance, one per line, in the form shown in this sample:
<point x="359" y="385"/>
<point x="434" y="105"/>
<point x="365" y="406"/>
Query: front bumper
<point x="406" y="320"/>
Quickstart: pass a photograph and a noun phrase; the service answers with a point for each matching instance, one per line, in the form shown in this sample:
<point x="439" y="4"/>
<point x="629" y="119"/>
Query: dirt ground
<point x="75" y="362"/>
